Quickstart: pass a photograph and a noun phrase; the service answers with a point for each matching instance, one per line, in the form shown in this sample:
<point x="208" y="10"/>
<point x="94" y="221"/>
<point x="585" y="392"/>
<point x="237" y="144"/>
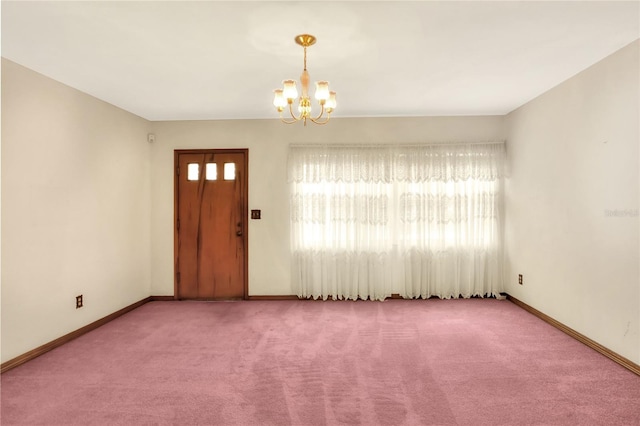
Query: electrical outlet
<point x="520" y="279"/>
<point x="78" y="302"/>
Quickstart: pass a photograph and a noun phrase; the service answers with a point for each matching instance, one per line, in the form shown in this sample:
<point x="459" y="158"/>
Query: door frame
<point x="245" y="210"/>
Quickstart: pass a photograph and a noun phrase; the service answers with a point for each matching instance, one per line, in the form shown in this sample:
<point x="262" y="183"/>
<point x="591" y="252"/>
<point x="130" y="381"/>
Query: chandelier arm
<point x="285" y="121"/>
<point x="288" y="122"/>
<point x="292" y="114"/>
<point x="316" y="121"/>
<point x="319" y="115"/>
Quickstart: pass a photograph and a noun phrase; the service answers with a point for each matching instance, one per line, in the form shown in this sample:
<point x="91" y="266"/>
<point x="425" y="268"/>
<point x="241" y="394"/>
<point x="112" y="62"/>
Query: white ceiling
<point x="221" y="60"/>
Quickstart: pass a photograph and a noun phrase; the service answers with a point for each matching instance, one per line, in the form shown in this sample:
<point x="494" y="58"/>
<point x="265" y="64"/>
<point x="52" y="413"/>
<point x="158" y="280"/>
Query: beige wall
<point x="572" y="203"/>
<point x="267" y="141"/>
<point x="75" y="209"/>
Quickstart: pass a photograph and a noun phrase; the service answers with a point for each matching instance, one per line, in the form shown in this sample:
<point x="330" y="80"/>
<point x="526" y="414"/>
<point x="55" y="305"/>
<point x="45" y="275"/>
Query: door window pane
<point x="229" y="171"/>
<point x="193" y="171"/>
<point x="211" y="171"/>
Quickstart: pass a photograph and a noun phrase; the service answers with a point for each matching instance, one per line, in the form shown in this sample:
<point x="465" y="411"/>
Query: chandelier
<point x="288" y="94"/>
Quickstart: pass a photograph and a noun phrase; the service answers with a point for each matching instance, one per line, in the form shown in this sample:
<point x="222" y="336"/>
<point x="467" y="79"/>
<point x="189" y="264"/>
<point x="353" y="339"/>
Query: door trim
<point x="245" y="211"/>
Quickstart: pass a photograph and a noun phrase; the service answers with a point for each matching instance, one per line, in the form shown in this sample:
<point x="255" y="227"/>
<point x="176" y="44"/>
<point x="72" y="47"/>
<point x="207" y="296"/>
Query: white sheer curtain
<point x="419" y="221"/>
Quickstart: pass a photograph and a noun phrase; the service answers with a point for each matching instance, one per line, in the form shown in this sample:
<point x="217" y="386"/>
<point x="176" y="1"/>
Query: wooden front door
<point x="210" y="224"/>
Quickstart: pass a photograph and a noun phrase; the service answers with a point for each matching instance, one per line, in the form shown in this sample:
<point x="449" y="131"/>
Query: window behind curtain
<point x="369" y="221"/>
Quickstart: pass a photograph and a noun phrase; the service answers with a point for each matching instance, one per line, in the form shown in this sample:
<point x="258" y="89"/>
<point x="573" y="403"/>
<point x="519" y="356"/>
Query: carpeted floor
<point x="398" y="362"/>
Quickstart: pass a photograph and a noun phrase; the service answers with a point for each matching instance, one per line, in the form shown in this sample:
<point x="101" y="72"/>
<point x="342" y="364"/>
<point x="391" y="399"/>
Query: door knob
<point x="239" y="233"/>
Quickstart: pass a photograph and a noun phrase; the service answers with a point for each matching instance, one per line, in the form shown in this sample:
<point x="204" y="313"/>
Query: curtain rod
<point x="324" y="145"/>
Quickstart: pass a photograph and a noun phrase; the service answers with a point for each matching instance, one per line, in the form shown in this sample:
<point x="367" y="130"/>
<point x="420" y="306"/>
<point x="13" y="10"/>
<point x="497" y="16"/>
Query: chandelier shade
<point x="284" y="98"/>
<point x="290" y="91"/>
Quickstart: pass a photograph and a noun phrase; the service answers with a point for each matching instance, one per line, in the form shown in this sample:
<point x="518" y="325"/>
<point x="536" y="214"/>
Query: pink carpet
<point x="398" y="362"/>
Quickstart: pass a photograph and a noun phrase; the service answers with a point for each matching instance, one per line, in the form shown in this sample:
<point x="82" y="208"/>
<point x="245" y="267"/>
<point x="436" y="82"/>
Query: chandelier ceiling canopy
<point x="289" y="93"/>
